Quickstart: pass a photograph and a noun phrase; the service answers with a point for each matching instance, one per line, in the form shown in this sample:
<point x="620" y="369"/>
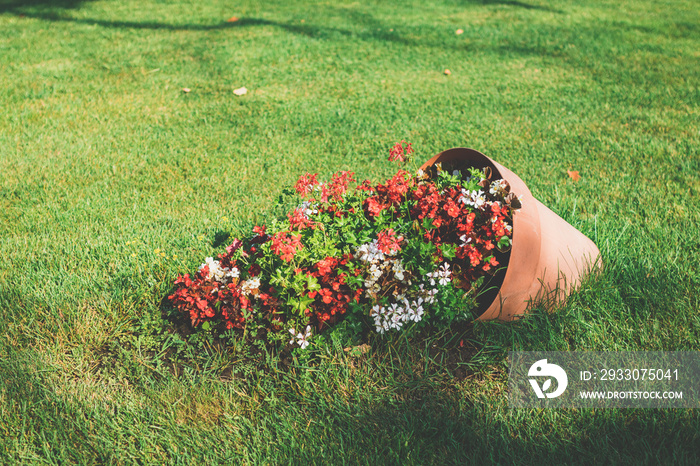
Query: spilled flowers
<point x="417" y="249"/>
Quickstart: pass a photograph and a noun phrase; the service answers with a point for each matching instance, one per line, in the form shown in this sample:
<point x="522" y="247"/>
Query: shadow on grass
<point x="19" y="7"/>
<point x="411" y="422"/>
<point x="517" y="4"/>
<point x="435" y="428"/>
<point x="220" y="238"/>
<point x="370" y="27"/>
<point x="37" y="420"/>
<point x="419" y="416"/>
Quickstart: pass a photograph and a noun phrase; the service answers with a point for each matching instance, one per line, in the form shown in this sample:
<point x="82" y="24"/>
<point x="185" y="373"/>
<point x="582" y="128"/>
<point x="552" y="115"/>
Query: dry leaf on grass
<point x="573" y="175"/>
<point x="459" y="31"/>
<point x="232" y="19"/>
<point x="240" y="91"/>
<point x="447" y="72"/>
<point x="185" y="90"/>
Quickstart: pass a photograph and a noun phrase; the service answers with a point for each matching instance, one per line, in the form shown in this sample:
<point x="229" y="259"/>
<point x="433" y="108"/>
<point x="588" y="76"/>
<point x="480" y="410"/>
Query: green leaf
<point x="503" y="242"/>
<point x="351" y="238"/>
<point x="300" y="304"/>
<point x="312" y="283"/>
<point x="427" y="249"/>
<point x="448" y="250"/>
<point x="354" y="282"/>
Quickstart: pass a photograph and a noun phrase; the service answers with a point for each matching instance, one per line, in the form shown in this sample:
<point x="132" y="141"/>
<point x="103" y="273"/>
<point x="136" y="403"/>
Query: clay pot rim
<point x="525" y="250"/>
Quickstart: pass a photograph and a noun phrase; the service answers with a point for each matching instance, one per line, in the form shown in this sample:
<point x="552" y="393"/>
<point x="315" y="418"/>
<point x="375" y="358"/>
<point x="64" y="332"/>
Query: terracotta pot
<point x="548" y="258"/>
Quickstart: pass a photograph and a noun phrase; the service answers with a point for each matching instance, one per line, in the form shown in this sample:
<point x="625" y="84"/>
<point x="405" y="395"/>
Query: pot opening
<point x="463" y="159"/>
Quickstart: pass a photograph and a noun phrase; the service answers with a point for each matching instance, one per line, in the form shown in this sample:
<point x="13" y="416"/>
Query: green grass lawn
<point x="113" y="181"/>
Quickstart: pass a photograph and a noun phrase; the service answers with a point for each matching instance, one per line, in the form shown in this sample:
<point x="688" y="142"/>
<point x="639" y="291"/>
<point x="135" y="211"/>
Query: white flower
<point x="443" y="274"/>
<point x="250" y="285"/>
<point x="301" y="338"/>
<point x="429" y="295"/>
<point x="380" y="264"/>
<point x="396" y="314"/>
<point x="398" y="270"/>
<point x="465" y="240"/>
<point x="475" y="199"/>
<point x="369" y="252"/>
<point x="218" y="273"/>
<point x="387" y="318"/>
<point x="308" y="208"/>
<point x="209" y="261"/>
<point x="415" y="311"/>
<point x="498" y="187"/>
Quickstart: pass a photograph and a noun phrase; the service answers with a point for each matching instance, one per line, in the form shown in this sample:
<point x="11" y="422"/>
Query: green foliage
<point x="305" y="271"/>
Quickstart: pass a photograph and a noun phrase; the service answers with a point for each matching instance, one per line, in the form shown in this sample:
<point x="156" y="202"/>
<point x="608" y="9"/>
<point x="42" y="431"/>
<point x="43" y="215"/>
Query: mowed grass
<point x="113" y="181"/>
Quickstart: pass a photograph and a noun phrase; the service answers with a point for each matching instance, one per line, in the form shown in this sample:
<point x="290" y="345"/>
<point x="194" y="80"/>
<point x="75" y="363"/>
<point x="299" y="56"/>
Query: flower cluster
<point x="395" y="315"/>
<point x="400" y="153"/>
<point x="213" y="270"/>
<point x="400" y="254"/>
<point x="302" y="339"/>
<point x="442" y="275"/>
<point x="330" y="293"/>
<point x="285" y="245"/>
<point x="380" y="266"/>
<point x="388" y="195"/>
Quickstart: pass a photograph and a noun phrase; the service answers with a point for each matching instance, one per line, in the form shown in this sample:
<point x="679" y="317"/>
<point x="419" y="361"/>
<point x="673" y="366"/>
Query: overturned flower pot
<point x="549" y="257"/>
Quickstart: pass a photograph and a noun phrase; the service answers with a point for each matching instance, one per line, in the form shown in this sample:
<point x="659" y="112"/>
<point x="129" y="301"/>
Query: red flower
<point x="286" y="246"/>
<point x="327" y="295"/>
<point x="365" y="186"/>
<point x="474" y="255"/>
<point x="298" y="220"/>
<point x="306" y="183"/>
<point x="467" y="225"/>
<point x="428" y="200"/>
<point x="451" y="208"/>
<point x="392" y="193"/>
<point x="498" y="228"/>
<point x="326" y="265"/>
<point x="388" y="242"/>
<point x="398" y="152"/>
<point x="491" y="262"/>
<point x="374" y="207"/>
<point x="337" y="187"/>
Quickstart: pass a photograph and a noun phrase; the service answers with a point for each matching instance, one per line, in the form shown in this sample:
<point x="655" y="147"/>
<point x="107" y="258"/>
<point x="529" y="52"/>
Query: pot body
<point x="548" y="258"/>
